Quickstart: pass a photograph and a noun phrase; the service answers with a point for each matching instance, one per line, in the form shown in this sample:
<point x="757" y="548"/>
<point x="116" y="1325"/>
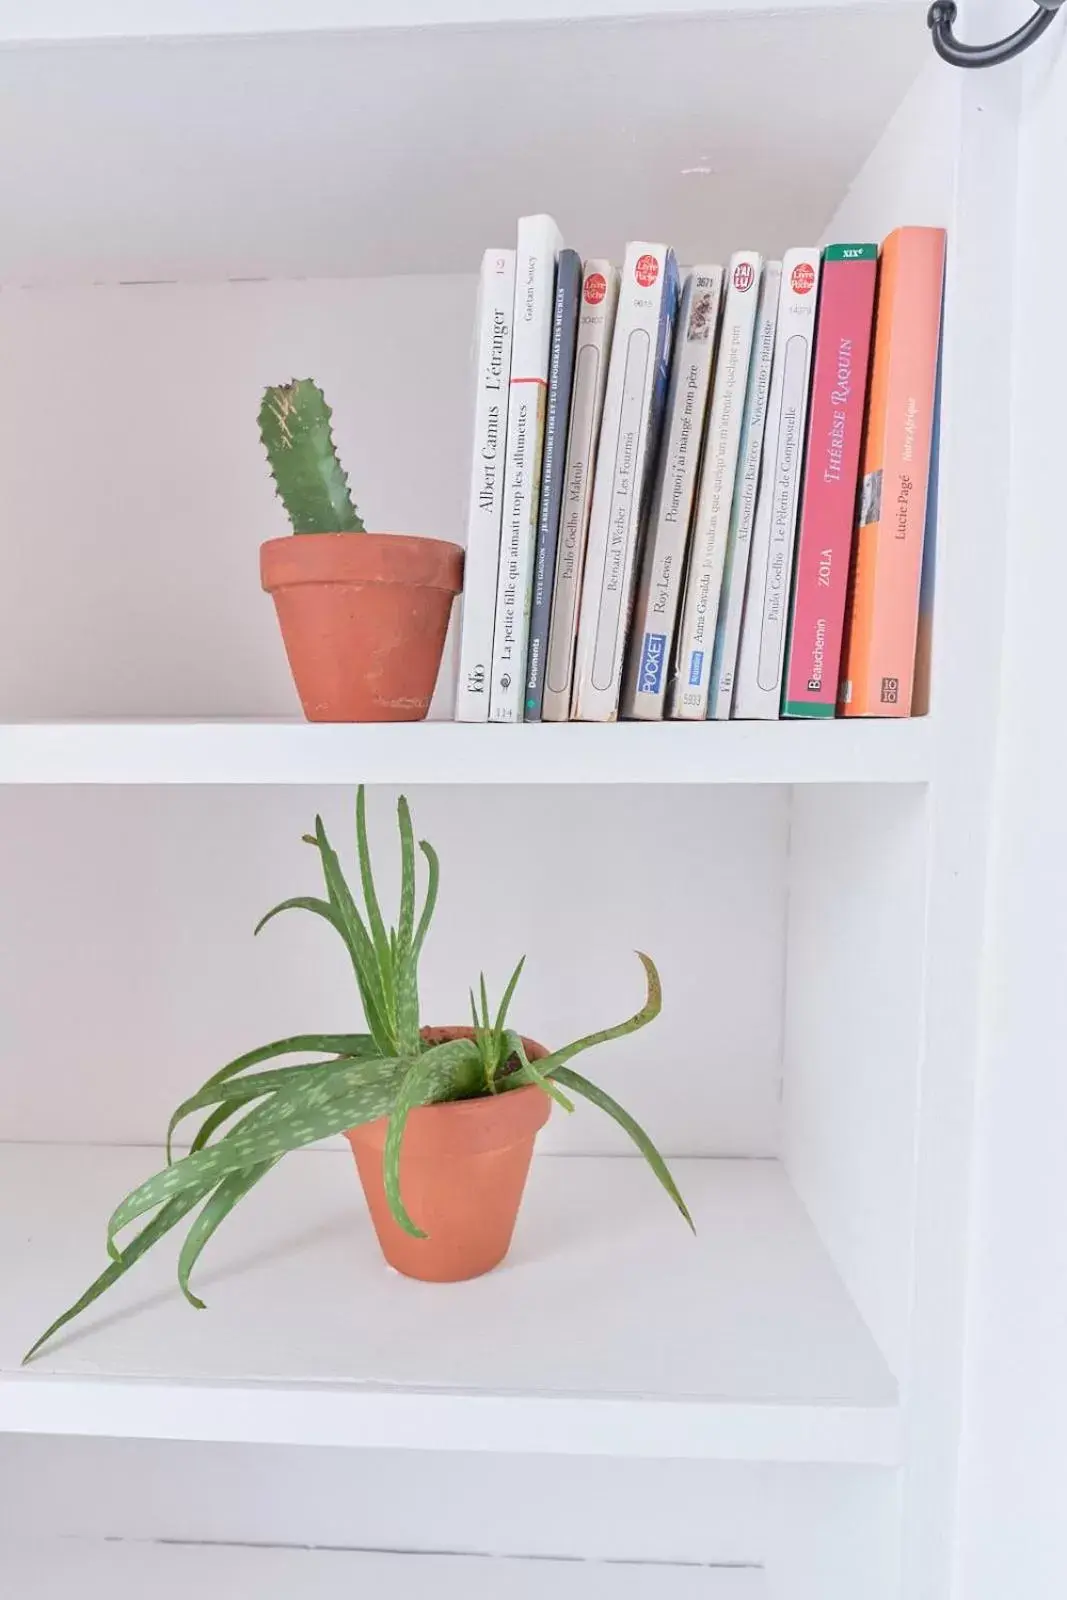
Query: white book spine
<point x="647" y="300"/>
<point x="496" y="299"/>
<point x="663" y="562"/>
<point x="711" y="520"/>
<point x="758" y="691"/>
<point x="596" y="322"/>
<point x="739" y="541"/>
<point x="535" y="274"/>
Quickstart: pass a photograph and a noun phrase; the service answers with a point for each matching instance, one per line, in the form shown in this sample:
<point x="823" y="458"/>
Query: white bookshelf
<point x="127" y="1570"/>
<point x="272" y="752"/>
<point x="220" y="197"/>
<point x="743" y="1345"/>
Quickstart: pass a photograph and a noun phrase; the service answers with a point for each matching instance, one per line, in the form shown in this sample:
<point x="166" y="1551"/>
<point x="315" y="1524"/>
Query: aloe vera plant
<point x="295" y="426"/>
<point x="384" y="1072"/>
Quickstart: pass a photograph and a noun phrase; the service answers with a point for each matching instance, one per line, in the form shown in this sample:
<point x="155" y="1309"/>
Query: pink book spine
<point x="831" y="477"/>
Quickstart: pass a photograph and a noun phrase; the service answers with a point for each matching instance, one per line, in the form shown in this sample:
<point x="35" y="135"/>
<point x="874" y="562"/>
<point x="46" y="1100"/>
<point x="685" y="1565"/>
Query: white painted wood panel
<point x="366" y="152"/>
<point x="255" y="752"/>
<point x="853" y="1037"/>
<point x="102" y="19"/>
<point x="122" y="1570"/>
<point x="820" y="1532"/>
<point x="610" y="1329"/>
<point x="129" y="972"/>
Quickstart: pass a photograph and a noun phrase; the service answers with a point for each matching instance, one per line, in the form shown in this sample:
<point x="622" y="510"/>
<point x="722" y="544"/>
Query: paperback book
<point x="884" y="594"/>
<point x="496" y="296"/>
<point x="535" y="278"/>
<point x="663" y="563"/>
<point x="707" y="551"/>
<point x="831" y="474"/>
<point x="560" y="382"/>
<point x="596" y="322"/>
<point x="633" y="410"/>
<point x="758" y="691"/>
<point x="743" y="510"/>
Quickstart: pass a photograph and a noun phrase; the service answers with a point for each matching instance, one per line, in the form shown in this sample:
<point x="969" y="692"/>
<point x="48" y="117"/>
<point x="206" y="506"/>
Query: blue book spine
<point x="560" y="385"/>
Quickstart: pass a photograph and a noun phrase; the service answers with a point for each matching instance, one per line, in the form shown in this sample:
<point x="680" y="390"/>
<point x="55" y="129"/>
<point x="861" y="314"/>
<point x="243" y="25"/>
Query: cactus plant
<point x="294" y="424"/>
<point x="386" y="1072"/>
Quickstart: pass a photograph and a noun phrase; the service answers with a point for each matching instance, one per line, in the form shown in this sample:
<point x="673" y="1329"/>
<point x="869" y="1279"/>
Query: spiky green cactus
<point x="294" y="424"/>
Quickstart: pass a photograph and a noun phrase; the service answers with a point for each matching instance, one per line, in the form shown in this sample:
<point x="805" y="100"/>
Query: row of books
<point x="702" y="494"/>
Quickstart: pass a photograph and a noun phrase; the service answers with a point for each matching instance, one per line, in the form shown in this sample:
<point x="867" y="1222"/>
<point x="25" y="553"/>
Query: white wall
<point x="1014" y="1458"/>
<point x="134" y="493"/>
<point x="128" y="971"/>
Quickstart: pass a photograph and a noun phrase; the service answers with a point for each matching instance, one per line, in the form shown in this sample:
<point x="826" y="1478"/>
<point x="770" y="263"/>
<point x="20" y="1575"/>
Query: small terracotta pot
<point x="363" y="617"/>
<point x="463" y="1169"/>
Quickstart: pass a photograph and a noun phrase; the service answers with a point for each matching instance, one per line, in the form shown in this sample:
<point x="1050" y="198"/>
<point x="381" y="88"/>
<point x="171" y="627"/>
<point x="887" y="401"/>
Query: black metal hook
<point x="942" y="14"/>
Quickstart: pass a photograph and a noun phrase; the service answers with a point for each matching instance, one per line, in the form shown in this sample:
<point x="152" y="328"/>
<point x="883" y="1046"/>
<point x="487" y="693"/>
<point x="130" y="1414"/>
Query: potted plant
<point x="363" y="615"/>
<point x="442" y="1121"/>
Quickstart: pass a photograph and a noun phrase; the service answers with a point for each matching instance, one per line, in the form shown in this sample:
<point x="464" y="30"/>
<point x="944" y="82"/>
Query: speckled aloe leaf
<point x="348" y="1095"/>
<point x="448" y="1071"/>
<point x="511" y="1045"/>
<point x="381" y="1016"/>
<point x="215" y="1211"/>
<point x="651" y="1008"/>
<point x="160" y="1225"/>
<point x="597" y="1097"/>
<point x="383" y="947"/>
<point x="295" y="427"/>
<point x="253" y="1086"/>
<point x="351" y="1045"/>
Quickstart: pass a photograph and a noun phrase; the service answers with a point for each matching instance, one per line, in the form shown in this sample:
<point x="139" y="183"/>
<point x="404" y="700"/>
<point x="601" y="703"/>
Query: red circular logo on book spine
<point x="596" y="287"/>
<point x="744" y="277"/>
<point x="646" y="271"/>
<point x="803" y="278"/>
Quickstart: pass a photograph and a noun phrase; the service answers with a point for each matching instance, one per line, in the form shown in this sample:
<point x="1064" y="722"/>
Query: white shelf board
<point x="381" y="163"/>
<point x="129" y="1570"/>
<point x="610" y="1330"/>
<point x="52" y="20"/>
<point x="449" y="752"/>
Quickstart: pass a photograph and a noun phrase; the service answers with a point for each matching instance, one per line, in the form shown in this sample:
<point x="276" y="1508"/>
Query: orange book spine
<point x="884" y="592"/>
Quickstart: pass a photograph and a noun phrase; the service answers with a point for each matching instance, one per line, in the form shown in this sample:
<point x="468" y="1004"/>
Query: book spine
<point x="758" y="691"/>
<point x="743" y="510"/>
<point x="663" y="563"/>
<point x="691" y="678"/>
<point x="535" y="278"/>
<point x="633" y="409"/>
<point x="560" y="381"/>
<point x="496" y="297"/>
<point x="920" y="694"/>
<point x="831" y="475"/>
<point x="596" y="323"/>
<point x="884" y="598"/>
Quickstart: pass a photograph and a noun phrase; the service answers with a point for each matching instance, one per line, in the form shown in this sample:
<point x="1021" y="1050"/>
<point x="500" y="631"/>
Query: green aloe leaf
<point x="433" y="881"/>
<point x="172" y="1213"/>
<point x="216" y="1209"/>
<point x="651" y="1008"/>
<point x="512" y="1045"/>
<point x="502" y="1012"/>
<point x="379" y="933"/>
<point x="405" y="923"/>
<point x="252" y="1087"/>
<point x="428" y="1077"/>
<point x="285" y="1122"/>
<point x="597" y="1096"/>
<point x="355" y="1046"/>
<point x="305" y="902"/>
<point x="361" y="946"/>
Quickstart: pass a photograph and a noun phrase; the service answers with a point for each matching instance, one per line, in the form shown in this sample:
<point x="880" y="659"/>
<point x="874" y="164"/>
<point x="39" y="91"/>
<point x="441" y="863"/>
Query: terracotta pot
<point x="364" y="618"/>
<point x="463" y="1168"/>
